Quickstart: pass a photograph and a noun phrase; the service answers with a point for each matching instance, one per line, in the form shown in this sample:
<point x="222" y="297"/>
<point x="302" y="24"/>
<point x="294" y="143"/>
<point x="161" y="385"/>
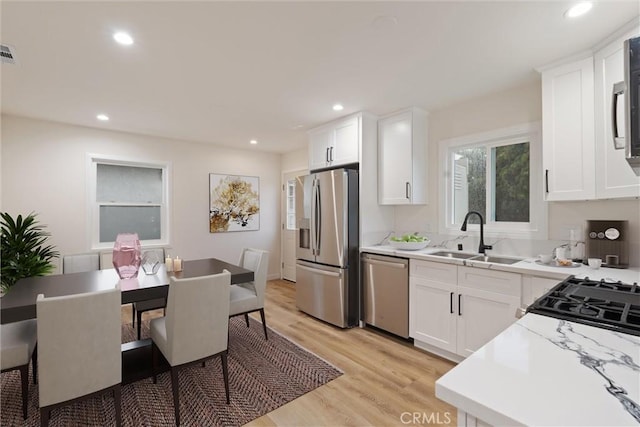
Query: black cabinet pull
<point x="407" y="190"/>
<point x="459" y="304"/>
<point x="546" y="180"/>
<point x="326" y="154"/>
<point x="331" y="154"/>
<point x="451" y="303"/>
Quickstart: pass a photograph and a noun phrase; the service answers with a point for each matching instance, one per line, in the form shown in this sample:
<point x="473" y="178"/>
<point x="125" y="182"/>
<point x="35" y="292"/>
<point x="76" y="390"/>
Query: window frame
<point x="93" y="206"/>
<point x="538" y="208"/>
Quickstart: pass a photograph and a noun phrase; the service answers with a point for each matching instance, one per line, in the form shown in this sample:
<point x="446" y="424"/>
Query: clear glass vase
<point x="150" y="262"/>
<point x="126" y="255"/>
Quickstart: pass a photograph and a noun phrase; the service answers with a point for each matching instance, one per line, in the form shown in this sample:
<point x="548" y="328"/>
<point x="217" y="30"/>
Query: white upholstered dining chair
<point x="17" y="345"/>
<point x="79" y="355"/>
<point x="195" y="327"/>
<point x="249" y="297"/>
<point x="79" y="263"/>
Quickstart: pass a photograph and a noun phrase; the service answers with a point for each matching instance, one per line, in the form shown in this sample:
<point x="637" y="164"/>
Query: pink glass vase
<point x="126" y="255"/>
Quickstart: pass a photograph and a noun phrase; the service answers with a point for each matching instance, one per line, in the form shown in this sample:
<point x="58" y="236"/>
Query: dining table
<point x="20" y="302"/>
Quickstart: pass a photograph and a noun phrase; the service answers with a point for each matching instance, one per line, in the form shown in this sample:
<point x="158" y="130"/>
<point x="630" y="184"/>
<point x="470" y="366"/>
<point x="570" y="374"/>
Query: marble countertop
<point x="523" y="266"/>
<point x="543" y="371"/>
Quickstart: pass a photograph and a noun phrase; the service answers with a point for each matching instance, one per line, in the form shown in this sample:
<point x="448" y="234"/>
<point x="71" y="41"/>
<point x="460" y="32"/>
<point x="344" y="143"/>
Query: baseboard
<point x="437" y="351"/>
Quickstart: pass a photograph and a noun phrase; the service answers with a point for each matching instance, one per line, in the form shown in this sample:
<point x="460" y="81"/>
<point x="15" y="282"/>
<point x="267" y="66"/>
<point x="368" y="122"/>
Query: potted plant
<point x="24" y="249"/>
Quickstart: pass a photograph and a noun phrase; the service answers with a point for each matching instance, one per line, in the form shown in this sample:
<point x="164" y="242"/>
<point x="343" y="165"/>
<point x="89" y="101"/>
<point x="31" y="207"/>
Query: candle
<point x="168" y="262"/>
<point x="177" y="264"/>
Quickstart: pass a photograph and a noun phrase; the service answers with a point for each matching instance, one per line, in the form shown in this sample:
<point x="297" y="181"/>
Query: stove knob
<point x="601" y="235"/>
<point x="593" y="234"/>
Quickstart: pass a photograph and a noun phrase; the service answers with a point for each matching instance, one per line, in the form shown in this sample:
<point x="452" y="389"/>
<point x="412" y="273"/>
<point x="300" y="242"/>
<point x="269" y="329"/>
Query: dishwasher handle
<point x="400" y="265"/>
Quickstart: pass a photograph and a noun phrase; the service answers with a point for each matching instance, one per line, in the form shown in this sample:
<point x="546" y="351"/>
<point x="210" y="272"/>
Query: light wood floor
<point x="383" y="378"/>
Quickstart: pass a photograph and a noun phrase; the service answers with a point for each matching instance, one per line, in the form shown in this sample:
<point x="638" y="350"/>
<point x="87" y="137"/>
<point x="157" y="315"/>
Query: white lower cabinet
<point x="431" y="304"/>
<point x="459" y="309"/>
<point x="533" y="287"/>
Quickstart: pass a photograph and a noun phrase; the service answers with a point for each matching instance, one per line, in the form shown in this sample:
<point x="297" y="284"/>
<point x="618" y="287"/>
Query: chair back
<point x="197" y="319"/>
<point x="79" y="340"/>
<point x="80" y="262"/>
<point x="257" y="261"/>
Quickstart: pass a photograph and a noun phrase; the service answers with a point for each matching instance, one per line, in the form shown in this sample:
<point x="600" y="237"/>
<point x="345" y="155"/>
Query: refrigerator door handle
<point x="313" y="217"/>
<point x="318" y="216"/>
<point x="317" y="271"/>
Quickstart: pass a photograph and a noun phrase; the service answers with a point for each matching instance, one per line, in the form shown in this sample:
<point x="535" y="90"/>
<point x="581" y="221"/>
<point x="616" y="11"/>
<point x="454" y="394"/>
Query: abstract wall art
<point x="234" y="203"/>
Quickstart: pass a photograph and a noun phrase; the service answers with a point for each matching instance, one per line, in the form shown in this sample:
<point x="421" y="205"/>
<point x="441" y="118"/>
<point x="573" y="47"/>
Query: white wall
<point x="44" y="171"/>
<point x="495" y="111"/>
<point x="296" y="160"/>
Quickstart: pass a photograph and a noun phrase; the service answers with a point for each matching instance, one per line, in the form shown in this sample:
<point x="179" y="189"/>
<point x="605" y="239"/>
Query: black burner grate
<point x="611" y="305"/>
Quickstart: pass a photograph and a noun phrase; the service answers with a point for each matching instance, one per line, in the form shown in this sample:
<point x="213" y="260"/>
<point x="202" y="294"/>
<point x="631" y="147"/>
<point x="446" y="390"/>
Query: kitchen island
<point x="546" y="371"/>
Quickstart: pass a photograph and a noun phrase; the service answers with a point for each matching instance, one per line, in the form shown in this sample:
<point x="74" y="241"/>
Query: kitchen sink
<point x="458" y="255"/>
<point x="494" y="259"/>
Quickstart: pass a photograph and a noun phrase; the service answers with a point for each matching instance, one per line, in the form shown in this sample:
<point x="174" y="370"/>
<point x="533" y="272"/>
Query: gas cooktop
<point x="609" y="305"/>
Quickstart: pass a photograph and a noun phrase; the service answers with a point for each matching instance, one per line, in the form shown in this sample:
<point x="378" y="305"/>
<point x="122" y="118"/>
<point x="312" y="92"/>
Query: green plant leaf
<point x="24" y="249"/>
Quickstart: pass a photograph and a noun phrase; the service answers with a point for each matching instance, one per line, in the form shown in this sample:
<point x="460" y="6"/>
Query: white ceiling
<point x="228" y="72"/>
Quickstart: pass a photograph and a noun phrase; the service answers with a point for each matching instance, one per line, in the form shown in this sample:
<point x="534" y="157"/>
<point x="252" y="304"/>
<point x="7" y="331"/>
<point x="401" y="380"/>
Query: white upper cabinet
<point x="579" y="158"/>
<point x="614" y="176"/>
<point x="335" y="144"/>
<point x="402" y="160"/>
<point x="567" y="131"/>
<point x="319" y="142"/>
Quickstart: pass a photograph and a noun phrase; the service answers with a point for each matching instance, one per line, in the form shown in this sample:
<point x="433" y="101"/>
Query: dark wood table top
<point x="20" y="302"/>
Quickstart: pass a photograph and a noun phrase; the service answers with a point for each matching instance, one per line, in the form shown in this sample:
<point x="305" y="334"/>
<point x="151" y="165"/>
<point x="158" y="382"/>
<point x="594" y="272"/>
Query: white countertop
<point x="543" y="371"/>
<point x="525" y="266"/>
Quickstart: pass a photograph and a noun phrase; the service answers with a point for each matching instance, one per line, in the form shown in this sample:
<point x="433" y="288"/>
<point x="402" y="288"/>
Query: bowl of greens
<point x="409" y="242"/>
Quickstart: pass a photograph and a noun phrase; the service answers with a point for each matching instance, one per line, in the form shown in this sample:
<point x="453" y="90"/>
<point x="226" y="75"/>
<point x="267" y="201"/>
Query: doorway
<point x="288" y="236"/>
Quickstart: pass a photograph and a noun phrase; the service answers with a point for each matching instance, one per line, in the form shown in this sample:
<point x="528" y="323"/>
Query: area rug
<point x="263" y="375"/>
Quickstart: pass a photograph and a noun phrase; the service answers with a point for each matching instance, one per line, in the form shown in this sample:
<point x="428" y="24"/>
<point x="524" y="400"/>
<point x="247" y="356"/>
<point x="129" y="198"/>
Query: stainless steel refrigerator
<point x="327" y="285"/>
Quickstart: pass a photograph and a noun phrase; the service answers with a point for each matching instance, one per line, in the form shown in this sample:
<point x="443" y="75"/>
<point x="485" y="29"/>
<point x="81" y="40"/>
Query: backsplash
<point x="526" y="248"/>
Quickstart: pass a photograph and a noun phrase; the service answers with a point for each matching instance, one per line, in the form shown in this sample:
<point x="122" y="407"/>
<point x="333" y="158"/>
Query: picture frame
<point x="234" y="203"/>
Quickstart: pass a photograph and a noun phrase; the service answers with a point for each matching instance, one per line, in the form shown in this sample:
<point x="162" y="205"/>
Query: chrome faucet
<point x="482" y="247"/>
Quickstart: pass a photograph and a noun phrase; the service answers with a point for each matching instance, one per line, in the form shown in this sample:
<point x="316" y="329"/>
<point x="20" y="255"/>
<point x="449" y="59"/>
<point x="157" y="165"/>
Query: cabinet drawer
<point x="434" y="271"/>
<point x="500" y="282"/>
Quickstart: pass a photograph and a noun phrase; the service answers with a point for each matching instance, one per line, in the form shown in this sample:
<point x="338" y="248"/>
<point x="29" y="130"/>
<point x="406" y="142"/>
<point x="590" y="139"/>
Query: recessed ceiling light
<point x="338" y="107"/>
<point x="102" y="117"/>
<point x="123" y="38"/>
<point x="578" y="9"/>
<point x="253" y="142"/>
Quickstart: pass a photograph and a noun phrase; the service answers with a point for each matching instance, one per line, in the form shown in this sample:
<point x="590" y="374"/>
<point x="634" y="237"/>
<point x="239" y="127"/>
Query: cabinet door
<point x="568" y="132"/>
<point x="345" y="142"/>
<point x="395" y="160"/>
<point x="431" y="313"/>
<point x="542" y="285"/>
<point x="614" y="177"/>
<point x="481" y="316"/>
<point x="319" y="142"/>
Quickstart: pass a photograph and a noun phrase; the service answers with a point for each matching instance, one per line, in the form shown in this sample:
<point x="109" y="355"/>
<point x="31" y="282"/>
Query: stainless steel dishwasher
<point x="385" y="283"/>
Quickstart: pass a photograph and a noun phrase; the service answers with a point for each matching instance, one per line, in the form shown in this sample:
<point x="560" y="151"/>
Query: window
<point x="291" y="204"/>
<point x="128" y="197"/>
<point x="496" y="174"/>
